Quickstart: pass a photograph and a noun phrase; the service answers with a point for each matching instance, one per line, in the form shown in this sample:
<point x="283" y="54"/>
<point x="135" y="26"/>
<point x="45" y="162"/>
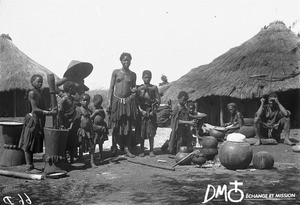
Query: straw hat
<point x="77" y="71"/>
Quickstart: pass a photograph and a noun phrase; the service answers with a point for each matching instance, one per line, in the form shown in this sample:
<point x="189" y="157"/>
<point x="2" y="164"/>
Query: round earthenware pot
<point x="263" y="160"/>
<point x="235" y="155"/>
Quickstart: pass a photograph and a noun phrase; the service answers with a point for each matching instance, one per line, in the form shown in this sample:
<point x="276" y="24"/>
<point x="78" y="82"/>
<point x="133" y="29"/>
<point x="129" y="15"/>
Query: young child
<point x="197" y="117"/>
<point x="67" y="116"/>
<point x="148" y="101"/>
<point x="31" y="139"/>
<point x="99" y="125"/>
<point x="180" y="124"/>
<point x="85" y="132"/>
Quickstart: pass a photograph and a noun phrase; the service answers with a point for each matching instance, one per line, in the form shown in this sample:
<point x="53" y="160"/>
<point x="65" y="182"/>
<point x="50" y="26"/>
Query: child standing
<point x="99" y="125"/>
<point x="85" y="132"/>
<point x="180" y="124"/>
<point x="31" y="139"/>
<point x="197" y="117"/>
<point x="66" y="117"/>
<point x="148" y="102"/>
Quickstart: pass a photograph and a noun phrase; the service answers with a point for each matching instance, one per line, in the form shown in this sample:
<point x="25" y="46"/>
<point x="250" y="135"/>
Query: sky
<point x="168" y="37"/>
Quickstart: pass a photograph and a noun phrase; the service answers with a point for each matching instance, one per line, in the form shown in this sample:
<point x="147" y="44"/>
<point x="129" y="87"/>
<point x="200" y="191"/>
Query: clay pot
<point x="183" y="149"/>
<point x="179" y="156"/>
<point x="235" y="155"/>
<point x="217" y="134"/>
<point x="209" y="142"/>
<point x="296" y="148"/>
<point x="263" y="160"/>
<point x="209" y="153"/>
<point x="199" y="159"/>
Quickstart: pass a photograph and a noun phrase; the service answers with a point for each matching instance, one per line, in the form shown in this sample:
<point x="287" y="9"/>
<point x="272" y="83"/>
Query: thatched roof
<point x="268" y="62"/>
<point x="16" y="68"/>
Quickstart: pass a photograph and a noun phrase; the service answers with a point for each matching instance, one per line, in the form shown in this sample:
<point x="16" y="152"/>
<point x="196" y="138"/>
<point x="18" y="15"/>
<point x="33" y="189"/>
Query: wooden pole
<point x="151" y="165"/>
<point x="15" y="103"/>
<point x="21" y="175"/>
<point x="51" y="83"/>
<point x="221" y="111"/>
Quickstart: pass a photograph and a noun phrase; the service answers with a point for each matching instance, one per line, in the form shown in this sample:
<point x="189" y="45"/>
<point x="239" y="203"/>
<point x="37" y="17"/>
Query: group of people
<point x="270" y="121"/>
<point x="130" y="106"/>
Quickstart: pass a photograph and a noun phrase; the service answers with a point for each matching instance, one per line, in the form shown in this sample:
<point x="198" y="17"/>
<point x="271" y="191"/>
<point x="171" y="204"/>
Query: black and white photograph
<point x="149" y="102"/>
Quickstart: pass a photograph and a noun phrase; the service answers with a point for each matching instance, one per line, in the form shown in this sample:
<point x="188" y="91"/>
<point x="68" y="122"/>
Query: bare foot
<point x="128" y="154"/>
<point x="257" y="143"/>
<point x="152" y="154"/>
<point x="288" y="142"/>
<point x="142" y="154"/>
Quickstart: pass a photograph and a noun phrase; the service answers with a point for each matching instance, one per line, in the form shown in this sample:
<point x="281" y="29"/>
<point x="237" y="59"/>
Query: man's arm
<point x="111" y="88"/>
<point x="284" y="112"/>
<point x="260" y="109"/>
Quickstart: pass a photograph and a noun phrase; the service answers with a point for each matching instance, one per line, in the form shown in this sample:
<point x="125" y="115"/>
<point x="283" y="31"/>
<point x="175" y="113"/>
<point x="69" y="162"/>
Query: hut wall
<point x="22" y="104"/>
<point x="211" y="106"/>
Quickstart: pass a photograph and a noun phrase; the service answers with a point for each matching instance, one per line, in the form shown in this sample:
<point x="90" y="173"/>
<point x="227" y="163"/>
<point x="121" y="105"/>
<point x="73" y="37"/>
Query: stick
<point x="21" y="175"/>
<point x="150" y="165"/>
<point x="51" y="83"/>
<point x="190" y="155"/>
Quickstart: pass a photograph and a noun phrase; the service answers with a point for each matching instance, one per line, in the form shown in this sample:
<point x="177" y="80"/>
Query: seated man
<point x="271" y="119"/>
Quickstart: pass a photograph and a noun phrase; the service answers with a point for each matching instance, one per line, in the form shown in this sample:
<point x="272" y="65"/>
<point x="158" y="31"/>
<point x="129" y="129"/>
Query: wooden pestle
<point x="52" y="90"/>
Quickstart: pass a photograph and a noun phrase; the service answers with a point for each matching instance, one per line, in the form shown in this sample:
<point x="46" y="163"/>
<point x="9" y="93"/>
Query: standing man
<point x="271" y="119"/>
<point x="122" y="105"/>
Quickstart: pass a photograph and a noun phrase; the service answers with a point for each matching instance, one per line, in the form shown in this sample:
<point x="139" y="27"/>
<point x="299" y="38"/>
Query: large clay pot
<point x="199" y="159"/>
<point x="235" y="155"/>
<point x="12" y="155"/>
<point x="209" y="153"/>
<point x="55" y="150"/>
<point x="263" y="160"/>
<point x="209" y="142"/>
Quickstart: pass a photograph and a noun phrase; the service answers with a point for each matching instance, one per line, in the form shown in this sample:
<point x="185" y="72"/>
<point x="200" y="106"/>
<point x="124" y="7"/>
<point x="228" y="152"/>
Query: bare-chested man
<point x="148" y="102"/>
<point x="122" y="105"/>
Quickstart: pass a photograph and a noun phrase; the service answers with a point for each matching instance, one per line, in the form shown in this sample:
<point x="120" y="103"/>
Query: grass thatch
<point x="16" y="68"/>
<point x="268" y="62"/>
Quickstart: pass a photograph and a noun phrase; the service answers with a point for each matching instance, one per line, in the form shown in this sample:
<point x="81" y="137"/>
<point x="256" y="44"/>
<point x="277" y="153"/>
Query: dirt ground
<point x="124" y="182"/>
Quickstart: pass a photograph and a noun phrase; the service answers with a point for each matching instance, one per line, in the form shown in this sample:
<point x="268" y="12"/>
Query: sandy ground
<point x="124" y="182"/>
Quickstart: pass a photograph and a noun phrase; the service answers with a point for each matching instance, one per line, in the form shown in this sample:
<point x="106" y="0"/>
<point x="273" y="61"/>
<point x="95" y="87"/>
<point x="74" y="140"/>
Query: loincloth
<point x="123" y="114"/>
<point x="32" y="135"/>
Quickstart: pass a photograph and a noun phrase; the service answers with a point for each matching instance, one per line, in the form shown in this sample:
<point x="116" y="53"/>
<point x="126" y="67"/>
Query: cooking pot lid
<point x="236" y="137"/>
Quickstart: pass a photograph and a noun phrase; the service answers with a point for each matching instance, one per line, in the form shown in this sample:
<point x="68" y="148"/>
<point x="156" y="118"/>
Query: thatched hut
<point x="16" y="69"/>
<point x="268" y="62"/>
